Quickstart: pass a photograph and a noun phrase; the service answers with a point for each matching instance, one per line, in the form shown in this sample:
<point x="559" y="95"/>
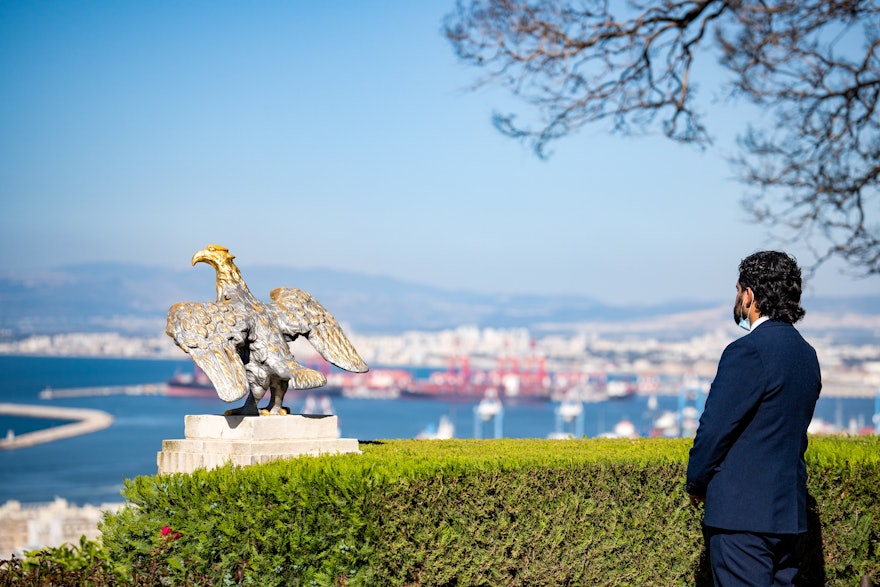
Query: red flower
<point x="169" y="534"/>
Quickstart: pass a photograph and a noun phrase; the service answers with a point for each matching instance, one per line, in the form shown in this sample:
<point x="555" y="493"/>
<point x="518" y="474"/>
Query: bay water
<point x="91" y="468"/>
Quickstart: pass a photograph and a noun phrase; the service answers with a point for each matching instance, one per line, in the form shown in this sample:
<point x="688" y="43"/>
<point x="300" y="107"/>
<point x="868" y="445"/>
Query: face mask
<point x="744" y="320"/>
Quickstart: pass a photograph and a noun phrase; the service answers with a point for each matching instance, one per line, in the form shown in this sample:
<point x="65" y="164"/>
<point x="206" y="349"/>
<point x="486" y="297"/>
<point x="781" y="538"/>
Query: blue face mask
<point x="744" y="320"/>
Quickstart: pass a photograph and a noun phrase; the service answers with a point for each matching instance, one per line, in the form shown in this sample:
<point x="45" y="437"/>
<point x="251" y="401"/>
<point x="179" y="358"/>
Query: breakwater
<point x="141" y="389"/>
<point x="84" y="422"/>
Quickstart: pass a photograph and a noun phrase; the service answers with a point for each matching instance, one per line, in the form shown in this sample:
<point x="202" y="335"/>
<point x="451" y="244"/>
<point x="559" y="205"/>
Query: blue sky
<point x="341" y="135"/>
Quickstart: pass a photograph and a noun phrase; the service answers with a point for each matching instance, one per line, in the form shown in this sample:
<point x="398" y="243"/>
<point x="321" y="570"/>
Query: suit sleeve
<point x="733" y="398"/>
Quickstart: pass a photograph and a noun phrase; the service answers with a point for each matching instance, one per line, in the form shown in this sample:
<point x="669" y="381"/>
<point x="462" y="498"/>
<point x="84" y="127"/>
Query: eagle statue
<point x="241" y="343"/>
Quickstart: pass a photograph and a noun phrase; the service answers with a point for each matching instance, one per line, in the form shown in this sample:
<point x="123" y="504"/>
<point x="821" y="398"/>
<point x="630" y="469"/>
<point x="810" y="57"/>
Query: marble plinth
<point x="212" y="441"/>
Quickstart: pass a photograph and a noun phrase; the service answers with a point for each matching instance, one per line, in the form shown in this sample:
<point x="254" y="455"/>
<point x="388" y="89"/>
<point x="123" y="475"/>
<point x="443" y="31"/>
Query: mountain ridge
<point x="101" y="297"/>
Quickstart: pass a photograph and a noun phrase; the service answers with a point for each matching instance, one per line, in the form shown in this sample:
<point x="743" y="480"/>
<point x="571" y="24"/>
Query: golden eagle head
<point x="221" y="260"/>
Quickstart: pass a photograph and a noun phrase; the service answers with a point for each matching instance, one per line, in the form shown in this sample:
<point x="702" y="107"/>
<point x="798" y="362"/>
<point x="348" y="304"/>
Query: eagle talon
<point x="282" y="411"/>
<point x="242" y="411"/>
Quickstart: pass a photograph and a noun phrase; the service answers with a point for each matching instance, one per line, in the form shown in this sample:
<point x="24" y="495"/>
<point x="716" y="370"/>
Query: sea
<point x="91" y="468"/>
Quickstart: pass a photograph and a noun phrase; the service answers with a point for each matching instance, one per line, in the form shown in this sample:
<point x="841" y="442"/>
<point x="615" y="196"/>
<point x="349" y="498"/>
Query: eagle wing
<point x="299" y="314"/>
<point x="211" y="333"/>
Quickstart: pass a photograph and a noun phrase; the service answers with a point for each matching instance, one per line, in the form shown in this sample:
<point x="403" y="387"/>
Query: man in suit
<point x="747" y="461"/>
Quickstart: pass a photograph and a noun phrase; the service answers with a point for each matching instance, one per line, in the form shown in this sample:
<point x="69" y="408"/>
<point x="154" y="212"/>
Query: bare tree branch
<point x="812" y="65"/>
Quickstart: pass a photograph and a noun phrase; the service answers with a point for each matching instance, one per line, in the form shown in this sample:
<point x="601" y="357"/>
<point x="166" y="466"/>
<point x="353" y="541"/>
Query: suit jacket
<point x="748" y="453"/>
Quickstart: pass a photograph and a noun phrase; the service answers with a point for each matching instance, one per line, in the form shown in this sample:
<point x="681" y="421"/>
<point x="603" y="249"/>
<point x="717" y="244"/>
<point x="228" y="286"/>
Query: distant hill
<point x="134" y="299"/>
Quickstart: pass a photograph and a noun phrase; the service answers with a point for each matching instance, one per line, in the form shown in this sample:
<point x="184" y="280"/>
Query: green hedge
<point x="474" y="512"/>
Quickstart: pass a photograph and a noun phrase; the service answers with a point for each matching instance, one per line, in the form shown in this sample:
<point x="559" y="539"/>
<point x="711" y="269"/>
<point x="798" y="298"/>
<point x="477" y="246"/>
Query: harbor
<point x="571" y="398"/>
<point x="90" y="467"/>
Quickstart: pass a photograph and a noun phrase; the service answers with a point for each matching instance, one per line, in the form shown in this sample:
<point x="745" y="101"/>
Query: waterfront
<point x="89" y="469"/>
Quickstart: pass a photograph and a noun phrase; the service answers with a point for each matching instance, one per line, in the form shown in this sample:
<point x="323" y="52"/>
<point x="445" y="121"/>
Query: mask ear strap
<point x="751" y="303"/>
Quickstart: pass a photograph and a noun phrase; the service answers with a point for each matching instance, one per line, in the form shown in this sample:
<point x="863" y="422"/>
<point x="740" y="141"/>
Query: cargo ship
<point x="197" y="384"/>
<point x="524" y="380"/>
<point x="512" y="380"/>
<point x="374" y="384"/>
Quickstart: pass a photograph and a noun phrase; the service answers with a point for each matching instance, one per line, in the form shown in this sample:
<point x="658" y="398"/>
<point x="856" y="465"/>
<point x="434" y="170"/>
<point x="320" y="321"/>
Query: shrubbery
<point x="469" y="512"/>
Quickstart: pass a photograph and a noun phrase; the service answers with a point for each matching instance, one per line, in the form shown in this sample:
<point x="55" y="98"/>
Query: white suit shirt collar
<point x="758" y="322"/>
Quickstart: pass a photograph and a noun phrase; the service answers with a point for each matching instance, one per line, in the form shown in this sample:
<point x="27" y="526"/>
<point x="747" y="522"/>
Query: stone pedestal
<point x="211" y="441"/>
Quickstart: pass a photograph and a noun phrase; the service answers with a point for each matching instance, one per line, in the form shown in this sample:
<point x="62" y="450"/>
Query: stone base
<point x="211" y="441"/>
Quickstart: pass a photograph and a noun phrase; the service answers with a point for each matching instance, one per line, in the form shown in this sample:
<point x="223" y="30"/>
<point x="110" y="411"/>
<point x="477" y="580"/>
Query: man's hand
<point x="697" y="500"/>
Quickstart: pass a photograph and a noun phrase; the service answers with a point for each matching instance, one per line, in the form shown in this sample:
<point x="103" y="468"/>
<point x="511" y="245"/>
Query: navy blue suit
<point x="747" y="458"/>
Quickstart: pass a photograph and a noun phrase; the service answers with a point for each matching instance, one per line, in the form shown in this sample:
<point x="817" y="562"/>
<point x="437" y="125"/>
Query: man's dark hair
<point x="775" y="280"/>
